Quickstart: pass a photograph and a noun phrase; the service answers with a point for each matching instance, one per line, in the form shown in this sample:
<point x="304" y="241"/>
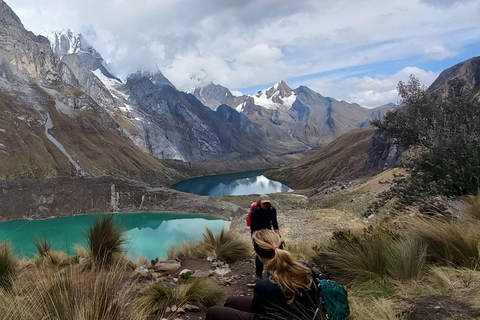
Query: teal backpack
<point x="334" y="300"/>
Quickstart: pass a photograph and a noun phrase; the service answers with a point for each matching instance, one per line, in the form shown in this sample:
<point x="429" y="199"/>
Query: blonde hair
<point x="290" y="275"/>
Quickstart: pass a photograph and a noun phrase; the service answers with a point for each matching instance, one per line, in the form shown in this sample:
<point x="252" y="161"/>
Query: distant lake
<point x="241" y="183"/>
<point x="147" y="234"/>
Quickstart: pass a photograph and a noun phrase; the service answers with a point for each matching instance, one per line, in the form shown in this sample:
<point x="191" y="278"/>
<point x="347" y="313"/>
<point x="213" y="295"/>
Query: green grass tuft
<point x="104" y="241"/>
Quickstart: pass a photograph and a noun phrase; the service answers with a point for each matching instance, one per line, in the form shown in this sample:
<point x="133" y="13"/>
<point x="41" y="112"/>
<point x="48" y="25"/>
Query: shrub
<point x="104" y="240"/>
<point x="8" y="265"/>
<point x="448" y="132"/>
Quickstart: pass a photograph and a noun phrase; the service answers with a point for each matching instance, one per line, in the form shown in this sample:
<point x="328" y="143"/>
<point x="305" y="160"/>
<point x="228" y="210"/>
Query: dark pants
<point x="258" y="267"/>
<point x="235" y="308"/>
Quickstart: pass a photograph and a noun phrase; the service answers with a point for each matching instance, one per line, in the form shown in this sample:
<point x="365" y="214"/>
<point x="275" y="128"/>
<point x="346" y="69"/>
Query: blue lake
<point x="242" y="183"/>
<point x="147" y="234"/>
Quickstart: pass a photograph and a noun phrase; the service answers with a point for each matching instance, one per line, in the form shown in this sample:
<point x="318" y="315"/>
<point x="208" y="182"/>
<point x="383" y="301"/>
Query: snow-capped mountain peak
<point x="64" y="42"/>
<point x="278" y="96"/>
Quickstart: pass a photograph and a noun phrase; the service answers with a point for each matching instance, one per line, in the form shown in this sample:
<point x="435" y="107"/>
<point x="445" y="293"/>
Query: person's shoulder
<point x="265" y="286"/>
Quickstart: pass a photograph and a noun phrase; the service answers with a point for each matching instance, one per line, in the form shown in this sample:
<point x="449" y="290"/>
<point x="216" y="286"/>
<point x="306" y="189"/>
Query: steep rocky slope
<point x="468" y="71"/>
<point x="344" y="157"/>
<point x="50" y="127"/>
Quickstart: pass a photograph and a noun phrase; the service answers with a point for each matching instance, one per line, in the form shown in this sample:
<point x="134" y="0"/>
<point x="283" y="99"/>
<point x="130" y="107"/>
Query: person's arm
<point x="275" y="222"/>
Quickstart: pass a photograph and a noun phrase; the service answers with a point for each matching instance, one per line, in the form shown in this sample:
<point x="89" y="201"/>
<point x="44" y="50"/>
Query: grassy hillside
<point x="345" y="156"/>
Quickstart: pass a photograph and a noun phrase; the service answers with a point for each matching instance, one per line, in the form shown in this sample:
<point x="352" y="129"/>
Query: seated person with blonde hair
<point x="289" y="293"/>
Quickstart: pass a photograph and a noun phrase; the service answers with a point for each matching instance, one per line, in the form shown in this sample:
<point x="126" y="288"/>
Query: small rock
<point x="168" y="310"/>
<point x="201" y="274"/>
<point x="370" y="216"/>
<point x="222" y="271"/>
<point x="173" y="308"/>
<point x="437" y="307"/>
<point x="191" y="308"/>
<point x="167" y="266"/>
<point x="211" y="259"/>
<point x="181" y="310"/>
<point x="142" y="269"/>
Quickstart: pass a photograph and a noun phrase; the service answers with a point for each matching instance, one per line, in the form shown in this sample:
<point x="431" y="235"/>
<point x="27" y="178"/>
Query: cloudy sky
<point x="353" y="50"/>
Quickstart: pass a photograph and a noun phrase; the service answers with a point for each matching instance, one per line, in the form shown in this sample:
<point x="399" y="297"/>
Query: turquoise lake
<point x="147" y="234"/>
<point x="235" y="184"/>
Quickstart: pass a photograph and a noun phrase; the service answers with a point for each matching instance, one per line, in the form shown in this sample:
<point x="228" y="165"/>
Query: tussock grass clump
<point x="351" y="256"/>
<point x="8" y="266"/>
<point x="373" y="309"/>
<point x="43" y="246"/>
<point x="376" y="254"/>
<point x="53" y="259"/>
<point x="197" y="291"/>
<point x="226" y="246"/>
<point x="449" y="243"/>
<point x="104" y="241"/>
<point x="69" y="295"/>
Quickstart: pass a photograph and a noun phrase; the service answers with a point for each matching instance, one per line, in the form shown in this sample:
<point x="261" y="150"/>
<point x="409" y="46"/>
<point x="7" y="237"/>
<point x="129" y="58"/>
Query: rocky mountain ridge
<point x="49" y="126"/>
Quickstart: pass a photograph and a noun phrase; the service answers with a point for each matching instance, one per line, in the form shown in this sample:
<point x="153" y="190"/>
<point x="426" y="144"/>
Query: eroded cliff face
<point x="383" y="154"/>
<point x="40" y="199"/>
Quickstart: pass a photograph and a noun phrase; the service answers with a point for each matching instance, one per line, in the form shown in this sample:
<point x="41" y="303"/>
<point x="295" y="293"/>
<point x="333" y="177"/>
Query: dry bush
<point x="68" y="294"/>
<point x="8" y="266"/>
<point x="53" y="259"/>
<point x="141" y="261"/>
<point x="226" y="246"/>
<point x="197" y="291"/>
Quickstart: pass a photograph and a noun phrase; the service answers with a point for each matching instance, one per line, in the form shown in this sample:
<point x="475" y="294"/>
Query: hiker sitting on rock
<point x="289" y="291"/>
<point x="263" y="216"/>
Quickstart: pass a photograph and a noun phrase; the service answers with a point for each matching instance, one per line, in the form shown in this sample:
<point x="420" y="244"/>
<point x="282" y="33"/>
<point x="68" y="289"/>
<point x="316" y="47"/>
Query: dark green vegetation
<point x="104" y="241"/>
<point x="444" y="130"/>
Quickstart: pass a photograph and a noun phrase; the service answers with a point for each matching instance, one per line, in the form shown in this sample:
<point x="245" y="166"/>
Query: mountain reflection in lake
<point x="242" y="183"/>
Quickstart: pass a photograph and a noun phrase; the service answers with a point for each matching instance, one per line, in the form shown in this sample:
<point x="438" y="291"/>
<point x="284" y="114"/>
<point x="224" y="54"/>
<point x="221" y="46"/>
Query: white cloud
<point x="243" y="43"/>
<point x="370" y="92"/>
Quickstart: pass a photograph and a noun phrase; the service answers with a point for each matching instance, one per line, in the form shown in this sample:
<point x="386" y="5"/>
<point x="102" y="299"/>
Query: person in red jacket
<point x="264" y="216"/>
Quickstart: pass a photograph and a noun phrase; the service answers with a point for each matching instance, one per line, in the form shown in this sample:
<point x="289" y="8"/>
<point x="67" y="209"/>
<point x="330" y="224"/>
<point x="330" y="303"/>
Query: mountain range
<point x="174" y="125"/>
<point x="64" y="112"/>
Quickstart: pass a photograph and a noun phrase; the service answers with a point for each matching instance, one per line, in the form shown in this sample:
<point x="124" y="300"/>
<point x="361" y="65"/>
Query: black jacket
<point x="263" y="219"/>
<point x="270" y="303"/>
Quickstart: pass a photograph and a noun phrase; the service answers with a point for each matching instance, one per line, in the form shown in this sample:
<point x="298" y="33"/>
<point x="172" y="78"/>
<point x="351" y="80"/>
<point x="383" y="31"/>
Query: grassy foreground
<point x="392" y="270"/>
